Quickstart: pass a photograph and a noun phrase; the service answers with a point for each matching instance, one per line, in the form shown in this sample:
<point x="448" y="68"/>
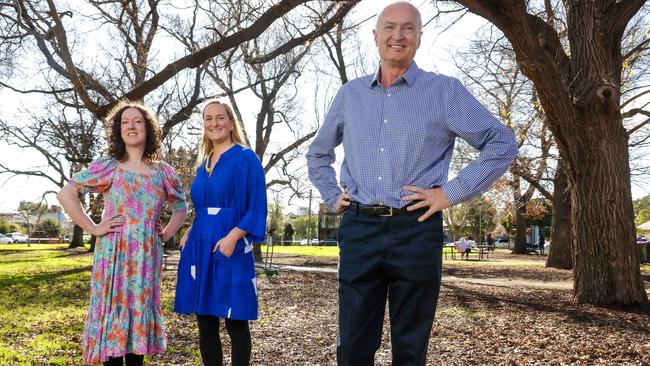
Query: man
<point x="489" y="240"/>
<point x="398" y="129"/>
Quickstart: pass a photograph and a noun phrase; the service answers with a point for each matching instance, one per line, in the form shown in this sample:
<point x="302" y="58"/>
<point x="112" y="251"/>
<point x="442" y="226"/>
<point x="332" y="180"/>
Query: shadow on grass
<point x="593" y="315"/>
<point x="45" y="291"/>
<point x="37" y="280"/>
<point x="31" y="260"/>
<point x="65" y="252"/>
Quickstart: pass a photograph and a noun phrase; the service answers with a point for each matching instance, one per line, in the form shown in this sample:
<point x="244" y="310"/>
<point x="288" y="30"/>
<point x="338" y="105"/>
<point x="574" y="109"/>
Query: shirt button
<point x="385" y="121"/>
<point x="379" y="178"/>
<point x="389" y="94"/>
<point x="381" y="149"/>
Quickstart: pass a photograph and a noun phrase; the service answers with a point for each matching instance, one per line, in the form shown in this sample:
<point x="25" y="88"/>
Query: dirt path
<point x="501" y="270"/>
<point x="498" y="281"/>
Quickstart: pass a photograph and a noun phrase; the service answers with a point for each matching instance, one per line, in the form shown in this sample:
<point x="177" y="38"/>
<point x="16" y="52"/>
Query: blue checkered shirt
<point x="404" y="135"/>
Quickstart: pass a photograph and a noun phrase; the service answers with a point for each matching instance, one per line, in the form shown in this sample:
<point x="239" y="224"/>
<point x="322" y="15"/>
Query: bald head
<point x="404" y="6"/>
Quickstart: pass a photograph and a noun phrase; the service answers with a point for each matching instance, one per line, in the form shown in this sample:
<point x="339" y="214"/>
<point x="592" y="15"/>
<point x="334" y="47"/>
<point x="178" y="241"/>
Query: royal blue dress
<point x="234" y="195"/>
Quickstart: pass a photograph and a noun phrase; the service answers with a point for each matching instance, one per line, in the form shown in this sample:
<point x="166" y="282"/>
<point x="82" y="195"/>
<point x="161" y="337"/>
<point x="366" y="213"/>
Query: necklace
<point x="209" y="168"/>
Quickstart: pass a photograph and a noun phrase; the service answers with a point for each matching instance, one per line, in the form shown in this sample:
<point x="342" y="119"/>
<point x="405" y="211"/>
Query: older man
<point x="398" y="128"/>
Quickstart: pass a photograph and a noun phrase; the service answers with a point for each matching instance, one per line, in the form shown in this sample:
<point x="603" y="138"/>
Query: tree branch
<point x="196" y="59"/>
<point x="280" y="155"/>
<point x="621" y="13"/>
<point x="322" y="29"/>
<point x="61" y="37"/>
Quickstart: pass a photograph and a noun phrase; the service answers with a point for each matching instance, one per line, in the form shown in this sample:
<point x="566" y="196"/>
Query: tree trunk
<point x="559" y="255"/>
<point x="77" y="237"/>
<point x="580" y="92"/>
<point x="606" y="260"/>
<point x="595" y="147"/>
<point x="92" y="242"/>
<point x="520" y="229"/>
<point x="257" y="253"/>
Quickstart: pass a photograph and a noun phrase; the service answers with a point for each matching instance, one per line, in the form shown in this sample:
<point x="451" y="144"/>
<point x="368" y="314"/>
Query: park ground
<point x="508" y="310"/>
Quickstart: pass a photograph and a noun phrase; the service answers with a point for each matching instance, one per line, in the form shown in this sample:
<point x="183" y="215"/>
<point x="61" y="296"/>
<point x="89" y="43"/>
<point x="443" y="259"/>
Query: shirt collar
<point x="409" y="76"/>
<point x="234" y="149"/>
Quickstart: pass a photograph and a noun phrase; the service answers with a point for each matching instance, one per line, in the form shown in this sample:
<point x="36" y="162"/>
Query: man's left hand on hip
<point x="435" y="199"/>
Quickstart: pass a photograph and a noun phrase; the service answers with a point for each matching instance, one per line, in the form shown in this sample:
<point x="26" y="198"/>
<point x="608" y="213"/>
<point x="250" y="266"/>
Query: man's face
<point x="397" y="35"/>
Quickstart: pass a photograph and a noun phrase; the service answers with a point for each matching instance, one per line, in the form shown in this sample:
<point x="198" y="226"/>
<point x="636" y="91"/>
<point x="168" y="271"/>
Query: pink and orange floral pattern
<point x="124" y="314"/>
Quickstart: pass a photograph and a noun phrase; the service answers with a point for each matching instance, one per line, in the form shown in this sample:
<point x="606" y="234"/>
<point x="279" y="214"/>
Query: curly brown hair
<point x="116" y="147"/>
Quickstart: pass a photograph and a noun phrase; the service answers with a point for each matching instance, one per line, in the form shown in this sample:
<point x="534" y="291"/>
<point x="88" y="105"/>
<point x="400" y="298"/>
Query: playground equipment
<point x="269" y="268"/>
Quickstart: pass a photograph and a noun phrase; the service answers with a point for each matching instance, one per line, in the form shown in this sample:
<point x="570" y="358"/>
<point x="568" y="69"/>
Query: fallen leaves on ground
<point x="475" y="325"/>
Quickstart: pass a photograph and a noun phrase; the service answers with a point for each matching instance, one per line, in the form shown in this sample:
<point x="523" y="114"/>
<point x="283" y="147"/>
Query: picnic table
<point x="449" y="248"/>
<point x="481" y="250"/>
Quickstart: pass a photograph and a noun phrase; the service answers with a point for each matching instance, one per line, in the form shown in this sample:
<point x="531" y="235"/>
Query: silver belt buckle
<point x="390" y="212"/>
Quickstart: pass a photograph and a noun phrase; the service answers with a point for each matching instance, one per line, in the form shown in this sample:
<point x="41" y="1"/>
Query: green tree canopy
<point x="641" y="210"/>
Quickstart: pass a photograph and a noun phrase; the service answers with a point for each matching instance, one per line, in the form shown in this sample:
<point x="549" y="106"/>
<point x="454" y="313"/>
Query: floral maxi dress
<point x="124" y="314"/>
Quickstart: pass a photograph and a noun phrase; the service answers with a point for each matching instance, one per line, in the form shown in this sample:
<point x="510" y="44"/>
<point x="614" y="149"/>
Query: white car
<point x="17" y="237"/>
<point x="5" y="239"/>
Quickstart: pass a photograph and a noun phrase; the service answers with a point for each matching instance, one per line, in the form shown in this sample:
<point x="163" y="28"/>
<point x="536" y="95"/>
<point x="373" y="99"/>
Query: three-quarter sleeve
<point x="173" y="189"/>
<point x="96" y="178"/>
<point x="254" y="219"/>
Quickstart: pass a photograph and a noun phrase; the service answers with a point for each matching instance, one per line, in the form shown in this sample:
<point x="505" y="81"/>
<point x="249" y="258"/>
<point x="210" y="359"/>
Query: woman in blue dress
<point x="216" y="274"/>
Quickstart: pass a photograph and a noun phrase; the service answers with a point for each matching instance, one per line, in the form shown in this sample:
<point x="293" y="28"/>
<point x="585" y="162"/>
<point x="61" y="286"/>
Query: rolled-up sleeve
<point x="321" y="155"/>
<point x="472" y="122"/>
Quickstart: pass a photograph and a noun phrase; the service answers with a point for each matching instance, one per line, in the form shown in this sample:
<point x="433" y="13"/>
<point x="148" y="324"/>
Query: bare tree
<point x="64" y="137"/>
<point x="489" y="69"/>
<point x="45" y="26"/>
<point x="126" y="36"/>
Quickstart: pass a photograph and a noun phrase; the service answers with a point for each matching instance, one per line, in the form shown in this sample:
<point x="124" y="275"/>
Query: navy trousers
<point x="393" y="257"/>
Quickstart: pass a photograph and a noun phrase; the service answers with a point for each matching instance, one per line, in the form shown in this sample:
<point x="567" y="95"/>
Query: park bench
<point x="481" y="250"/>
<point x="449" y="249"/>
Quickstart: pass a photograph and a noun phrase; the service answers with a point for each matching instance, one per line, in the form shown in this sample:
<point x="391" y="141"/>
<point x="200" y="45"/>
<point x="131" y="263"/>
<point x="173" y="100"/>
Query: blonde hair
<point x="236" y="135"/>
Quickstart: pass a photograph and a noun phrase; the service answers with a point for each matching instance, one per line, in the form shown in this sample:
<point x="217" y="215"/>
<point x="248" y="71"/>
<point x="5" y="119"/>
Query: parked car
<point x="5" y="239"/>
<point x="17" y="237"/>
<point x="501" y="242"/>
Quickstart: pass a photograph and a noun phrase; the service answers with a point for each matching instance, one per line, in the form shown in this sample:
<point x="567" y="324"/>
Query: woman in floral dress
<point x="124" y="317"/>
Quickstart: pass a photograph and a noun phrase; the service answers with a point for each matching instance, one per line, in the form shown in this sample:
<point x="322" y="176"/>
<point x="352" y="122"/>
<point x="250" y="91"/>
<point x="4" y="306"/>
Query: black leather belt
<point x="376" y="210"/>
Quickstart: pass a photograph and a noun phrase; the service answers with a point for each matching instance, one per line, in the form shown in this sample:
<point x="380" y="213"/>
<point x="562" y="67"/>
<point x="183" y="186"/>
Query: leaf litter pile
<point x="476" y="324"/>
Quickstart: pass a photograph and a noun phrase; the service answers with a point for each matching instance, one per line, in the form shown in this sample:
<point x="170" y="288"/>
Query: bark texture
<point x="580" y="95"/>
<point x="559" y="255"/>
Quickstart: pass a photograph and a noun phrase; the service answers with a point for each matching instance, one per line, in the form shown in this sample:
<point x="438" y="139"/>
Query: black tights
<point x="210" y="342"/>
<point x="131" y="360"/>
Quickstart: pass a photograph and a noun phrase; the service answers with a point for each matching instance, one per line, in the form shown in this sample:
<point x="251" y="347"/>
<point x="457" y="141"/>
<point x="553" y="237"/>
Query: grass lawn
<point x="44" y="299"/>
<point x="43" y="294"/>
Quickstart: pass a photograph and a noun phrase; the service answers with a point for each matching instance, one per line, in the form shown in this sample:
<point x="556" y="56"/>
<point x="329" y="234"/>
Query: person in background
<point x="489" y="240"/>
<point x="124" y="318"/>
<point x="464" y="247"/>
<point x="216" y="271"/>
